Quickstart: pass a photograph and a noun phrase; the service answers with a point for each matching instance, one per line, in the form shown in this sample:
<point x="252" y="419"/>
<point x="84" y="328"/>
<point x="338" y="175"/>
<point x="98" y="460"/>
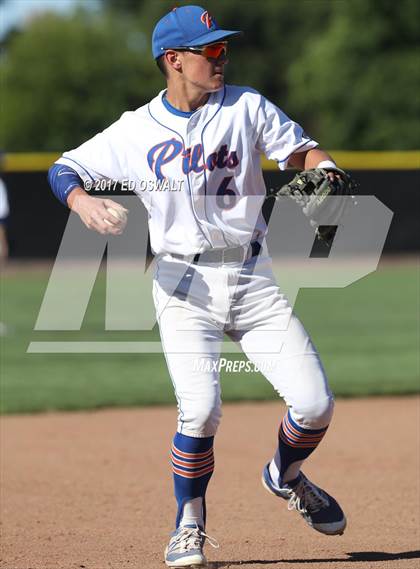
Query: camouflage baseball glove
<point x="309" y="189"/>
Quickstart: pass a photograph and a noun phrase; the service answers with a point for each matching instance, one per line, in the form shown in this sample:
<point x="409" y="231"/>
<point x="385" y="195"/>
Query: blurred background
<point x="347" y="70"/>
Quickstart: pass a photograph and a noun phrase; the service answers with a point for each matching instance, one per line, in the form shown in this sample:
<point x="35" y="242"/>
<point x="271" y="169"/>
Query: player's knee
<point x="208" y="420"/>
<point x="203" y="421"/>
<point x="316" y="416"/>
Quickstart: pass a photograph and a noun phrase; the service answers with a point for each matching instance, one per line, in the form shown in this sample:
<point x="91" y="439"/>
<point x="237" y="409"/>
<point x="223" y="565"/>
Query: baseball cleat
<point x="185" y="548"/>
<point x="318" y="509"/>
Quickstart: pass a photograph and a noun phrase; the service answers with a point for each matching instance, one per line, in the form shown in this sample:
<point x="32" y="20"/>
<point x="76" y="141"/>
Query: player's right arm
<point x="100" y="158"/>
<point x="67" y="186"/>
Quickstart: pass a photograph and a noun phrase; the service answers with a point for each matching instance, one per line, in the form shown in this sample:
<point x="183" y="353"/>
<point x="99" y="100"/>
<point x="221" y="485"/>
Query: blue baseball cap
<point x="187" y="26"/>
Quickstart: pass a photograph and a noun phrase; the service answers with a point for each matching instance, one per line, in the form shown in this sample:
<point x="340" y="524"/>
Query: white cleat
<point x="185" y="548"/>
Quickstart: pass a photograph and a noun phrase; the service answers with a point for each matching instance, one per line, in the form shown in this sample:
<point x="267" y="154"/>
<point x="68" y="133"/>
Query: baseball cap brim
<point x="211" y="37"/>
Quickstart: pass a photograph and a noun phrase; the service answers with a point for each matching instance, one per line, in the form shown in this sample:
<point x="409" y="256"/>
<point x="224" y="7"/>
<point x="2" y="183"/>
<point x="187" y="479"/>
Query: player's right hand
<point x="94" y="214"/>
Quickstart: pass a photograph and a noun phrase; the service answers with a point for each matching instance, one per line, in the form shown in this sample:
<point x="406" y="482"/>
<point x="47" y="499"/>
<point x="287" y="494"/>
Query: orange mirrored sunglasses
<point x="213" y="51"/>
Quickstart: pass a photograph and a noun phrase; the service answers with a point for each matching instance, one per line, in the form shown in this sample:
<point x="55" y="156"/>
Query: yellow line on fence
<point x="29" y="161"/>
<point x="368" y="160"/>
<point x="348" y="160"/>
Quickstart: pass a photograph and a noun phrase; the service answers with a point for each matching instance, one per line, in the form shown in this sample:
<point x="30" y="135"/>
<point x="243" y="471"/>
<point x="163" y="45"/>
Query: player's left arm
<point x="320" y="177"/>
<point x="315" y="158"/>
<point x="282" y="139"/>
<point x="309" y="159"/>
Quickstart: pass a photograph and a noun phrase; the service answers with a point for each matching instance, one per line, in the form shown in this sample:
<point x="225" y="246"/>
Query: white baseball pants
<point x="197" y="303"/>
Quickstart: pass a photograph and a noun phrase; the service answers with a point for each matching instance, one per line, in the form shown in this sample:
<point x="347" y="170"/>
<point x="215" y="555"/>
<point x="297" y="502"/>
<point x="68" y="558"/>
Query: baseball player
<point x="4" y="244"/>
<point x="4" y="214"/>
<point x="213" y="271"/>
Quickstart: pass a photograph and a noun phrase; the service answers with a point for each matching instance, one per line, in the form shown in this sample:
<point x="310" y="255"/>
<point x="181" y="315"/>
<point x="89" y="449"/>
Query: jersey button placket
<point x="196" y="182"/>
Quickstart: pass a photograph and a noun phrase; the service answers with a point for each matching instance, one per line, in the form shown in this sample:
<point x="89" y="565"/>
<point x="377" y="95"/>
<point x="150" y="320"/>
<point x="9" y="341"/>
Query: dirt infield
<point x="93" y="490"/>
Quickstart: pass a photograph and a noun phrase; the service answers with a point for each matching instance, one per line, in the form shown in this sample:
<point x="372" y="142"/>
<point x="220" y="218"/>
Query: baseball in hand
<point x="119" y="214"/>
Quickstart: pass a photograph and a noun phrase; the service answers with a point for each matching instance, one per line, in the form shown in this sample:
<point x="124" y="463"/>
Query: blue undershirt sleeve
<point x="63" y="180"/>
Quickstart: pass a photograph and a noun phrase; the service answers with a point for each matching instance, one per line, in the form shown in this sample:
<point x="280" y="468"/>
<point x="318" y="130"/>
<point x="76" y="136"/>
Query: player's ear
<point x="173" y="60"/>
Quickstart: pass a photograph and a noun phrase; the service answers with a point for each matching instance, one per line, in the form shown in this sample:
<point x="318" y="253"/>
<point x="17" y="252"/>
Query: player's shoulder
<point x="244" y="97"/>
<point x="242" y="93"/>
<point x="131" y="119"/>
<point x="140" y="113"/>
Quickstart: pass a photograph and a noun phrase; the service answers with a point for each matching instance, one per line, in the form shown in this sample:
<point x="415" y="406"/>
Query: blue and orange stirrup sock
<point x="192" y="466"/>
<point x="295" y="442"/>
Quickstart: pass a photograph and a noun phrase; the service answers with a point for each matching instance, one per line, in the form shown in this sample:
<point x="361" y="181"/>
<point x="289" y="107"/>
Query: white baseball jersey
<point x="207" y="159"/>
<point x="188" y="170"/>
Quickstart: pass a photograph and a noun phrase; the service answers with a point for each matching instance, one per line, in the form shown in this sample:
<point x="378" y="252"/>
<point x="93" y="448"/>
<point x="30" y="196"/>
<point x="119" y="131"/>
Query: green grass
<point x="367" y="335"/>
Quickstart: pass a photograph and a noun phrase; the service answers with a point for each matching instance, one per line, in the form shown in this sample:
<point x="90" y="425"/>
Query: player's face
<point x="204" y="67"/>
